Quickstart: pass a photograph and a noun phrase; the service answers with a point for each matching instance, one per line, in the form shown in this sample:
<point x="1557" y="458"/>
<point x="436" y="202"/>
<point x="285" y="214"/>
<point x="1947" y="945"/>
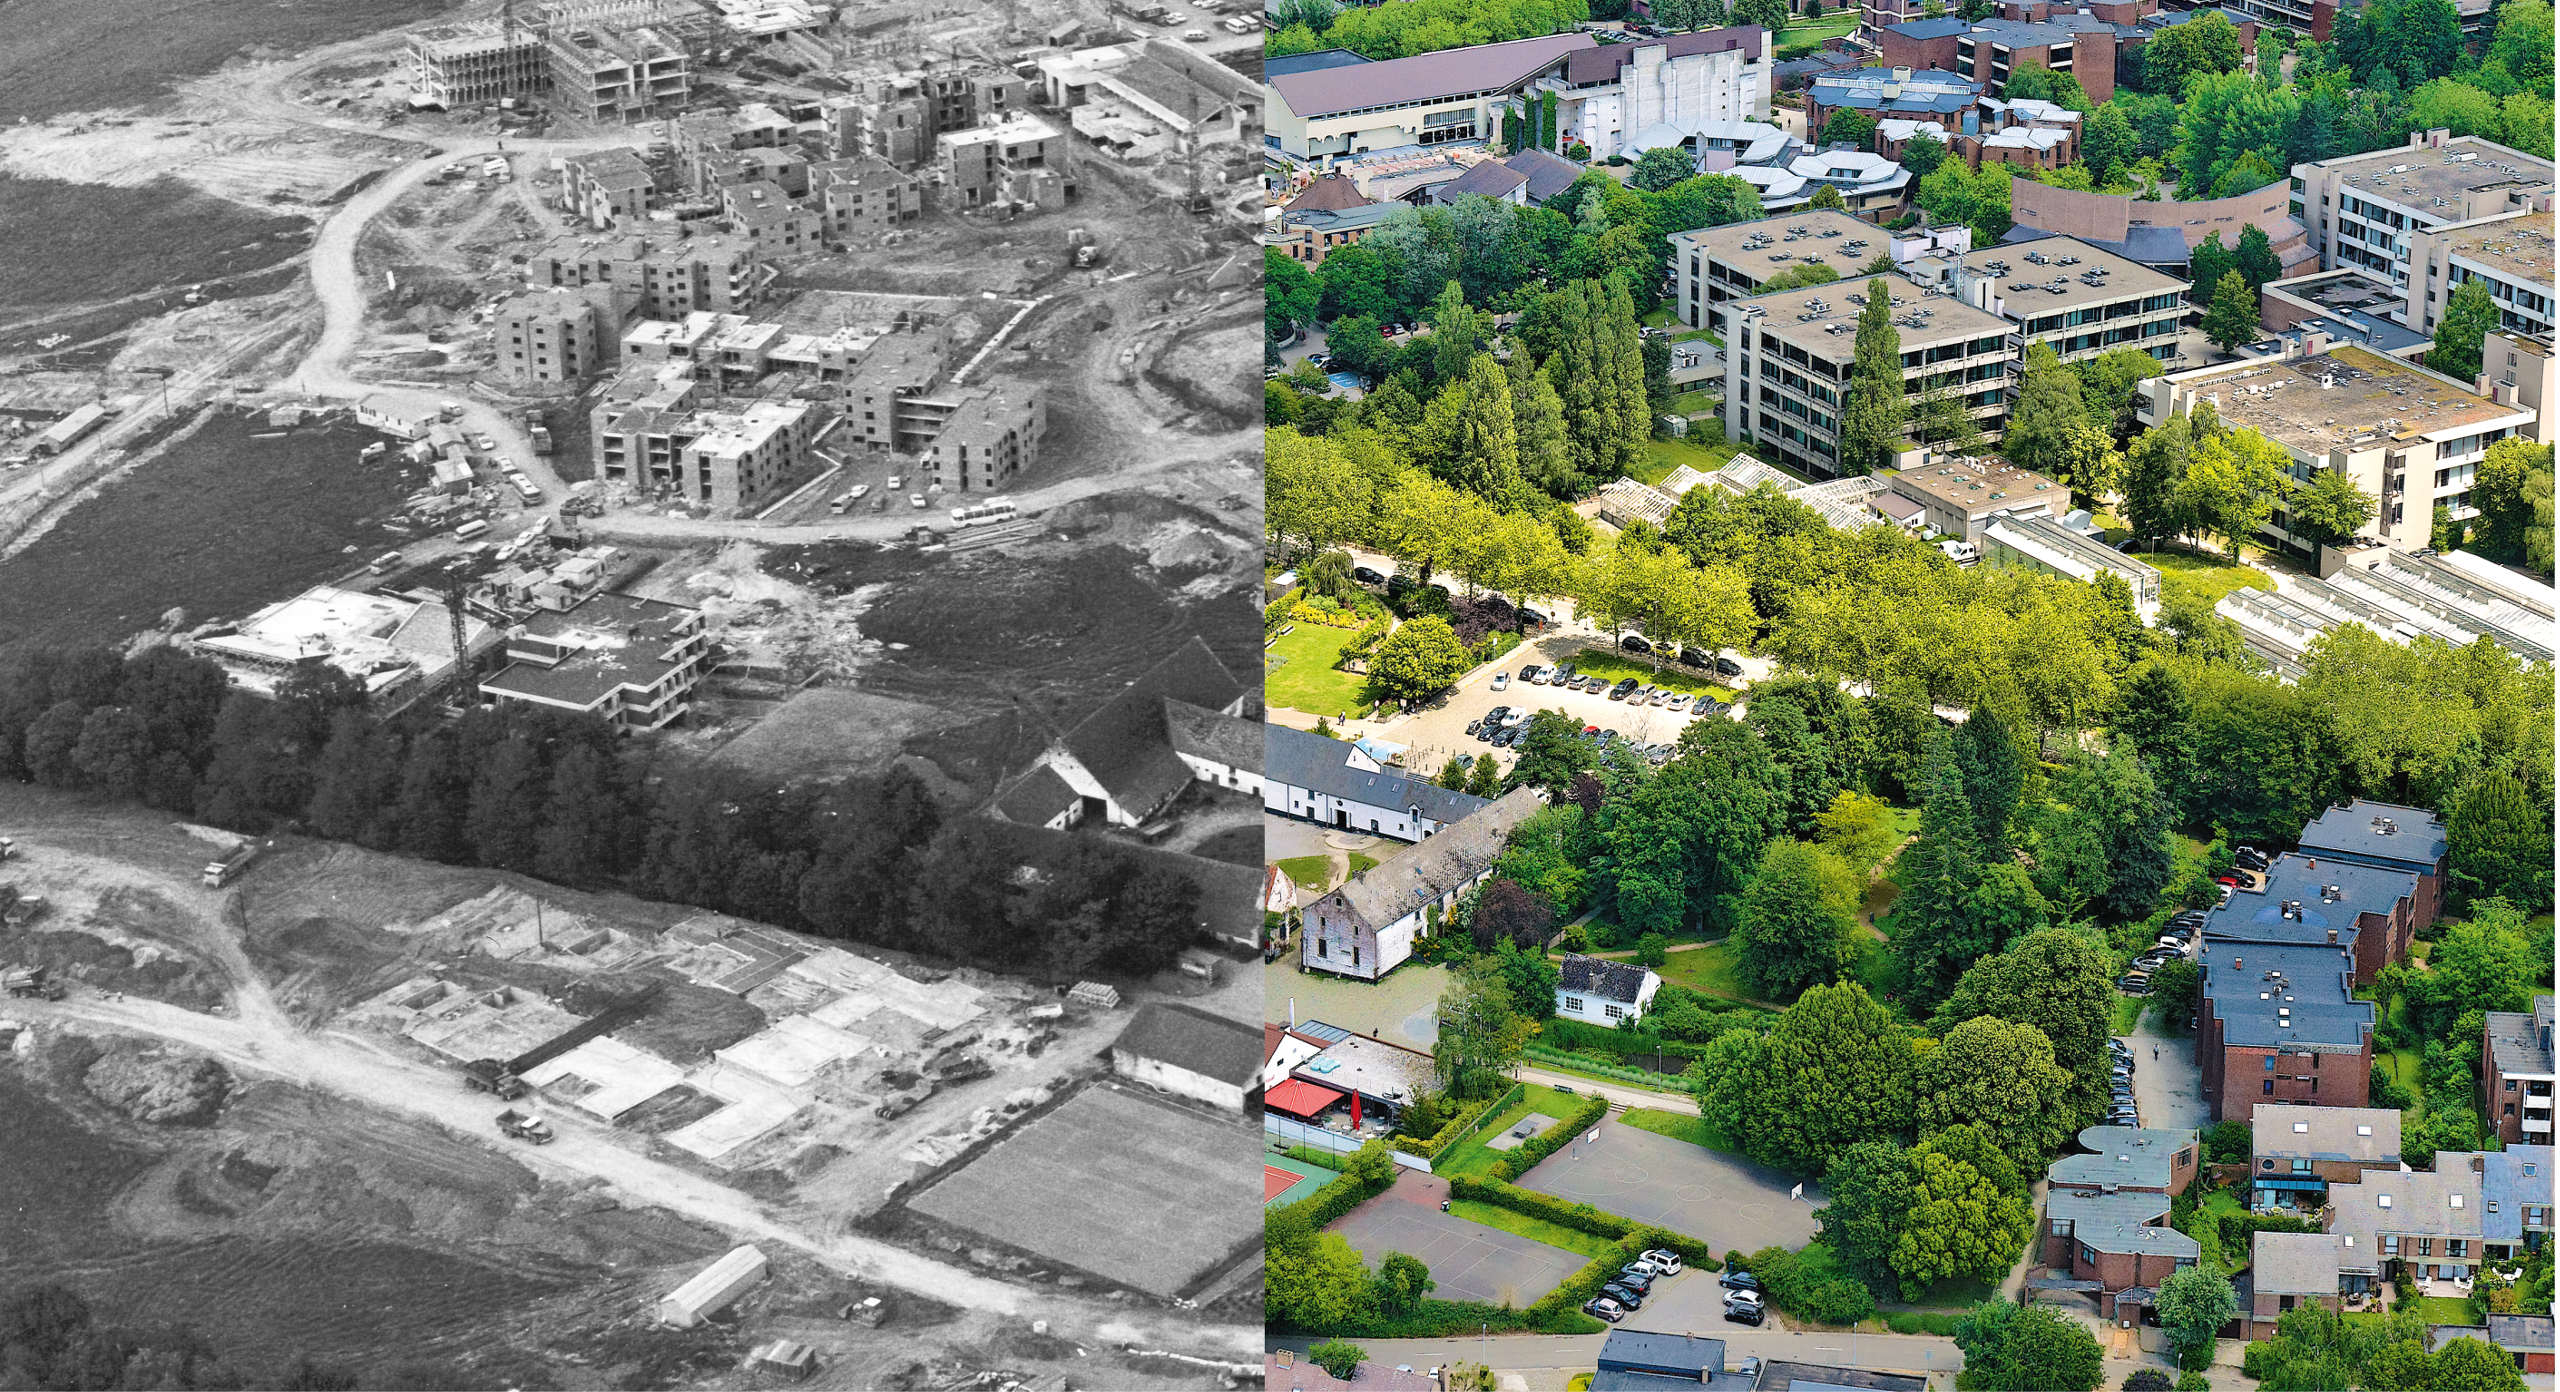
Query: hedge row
<point x="1276" y="612"/>
<point x="1617" y="1043"/>
<point x="1582" y="1218"/>
<point x="1459" y="1126"/>
<point x="1340" y="1197"/>
<point x="1581" y="1063"/>
<point x="1446" y="1319"/>
<point x="1512" y="1164"/>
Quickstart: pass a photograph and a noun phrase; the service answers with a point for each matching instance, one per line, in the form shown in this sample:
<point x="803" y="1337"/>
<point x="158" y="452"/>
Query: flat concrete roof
<point x="1824" y="320"/>
<point x="2027" y="276"/>
<point x="2518" y="246"/>
<point x="1978" y="485"/>
<point x="2370" y="399"/>
<point x="2415" y="178"/>
<point x="1773" y="246"/>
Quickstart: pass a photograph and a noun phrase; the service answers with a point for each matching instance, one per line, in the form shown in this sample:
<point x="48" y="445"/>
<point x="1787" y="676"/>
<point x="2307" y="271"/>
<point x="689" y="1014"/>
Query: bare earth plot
<point x="829" y="732"/>
<point x="1136" y="1191"/>
<point x="1729" y="1201"/>
<point x="1468" y="1261"/>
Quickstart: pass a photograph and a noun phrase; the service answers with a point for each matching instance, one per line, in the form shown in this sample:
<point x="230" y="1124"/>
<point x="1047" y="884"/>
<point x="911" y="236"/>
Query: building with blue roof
<point x="2516" y="1199"/>
<point x="2325" y="901"/>
<point x="1336" y="784"/>
<point x="2279" y="1022"/>
<point x="1913" y="94"/>
<point x="2388" y="835"/>
<point x="2106" y="1230"/>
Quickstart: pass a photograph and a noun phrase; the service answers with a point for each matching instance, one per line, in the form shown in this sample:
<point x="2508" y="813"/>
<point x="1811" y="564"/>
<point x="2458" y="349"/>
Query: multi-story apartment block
<point x="2280" y="1023"/>
<point x="1993" y="51"/>
<point x="479" y="63"/>
<point x="992" y="434"/>
<point x="2075" y="298"/>
<point x="607" y="186"/>
<point x="2366" y="211"/>
<point x="732" y="460"/>
<point x="1788" y="360"/>
<point x="2409" y="438"/>
<point x="554" y="336"/>
<point x="2107" y="1214"/>
<point x="2523" y="372"/>
<point x="625" y="659"/>
<point x="772" y="221"/>
<point x="1620" y="99"/>
<point x="1911" y="94"/>
<point x="701" y="274"/>
<point x="2386" y="836"/>
<point x="866" y="195"/>
<point x="973" y="165"/>
<point x="2324" y="901"/>
<point x="897" y="116"/>
<point x="886" y="404"/>
<point x="1712" y="266"/>
<point x="2297" y="1152"/>
<point x="2510" y="253"/>
<point x="2516" y="1075"/>
<point x="602" y="72"/>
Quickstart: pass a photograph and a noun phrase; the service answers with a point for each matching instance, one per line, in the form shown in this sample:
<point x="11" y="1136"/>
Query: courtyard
<point x="1729" y="1201"/>
<point x="1468" y="1261"/>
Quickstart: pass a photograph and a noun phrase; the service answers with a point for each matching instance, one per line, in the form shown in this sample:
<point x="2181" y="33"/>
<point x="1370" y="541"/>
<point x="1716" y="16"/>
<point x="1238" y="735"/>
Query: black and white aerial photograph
<point x="630" y="715"/>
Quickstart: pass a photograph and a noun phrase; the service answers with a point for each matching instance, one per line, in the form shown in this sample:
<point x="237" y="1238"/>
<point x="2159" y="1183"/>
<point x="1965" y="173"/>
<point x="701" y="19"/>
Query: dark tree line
<point x="568" y="798"/>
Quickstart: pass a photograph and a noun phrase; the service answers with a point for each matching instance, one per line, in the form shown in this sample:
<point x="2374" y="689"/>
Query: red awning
<point x="1300" y="1098"/>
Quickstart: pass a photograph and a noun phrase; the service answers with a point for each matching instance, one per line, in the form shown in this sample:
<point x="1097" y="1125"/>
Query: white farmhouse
<point x="1191" y="1053"/>
<point x="1598" y="991"/>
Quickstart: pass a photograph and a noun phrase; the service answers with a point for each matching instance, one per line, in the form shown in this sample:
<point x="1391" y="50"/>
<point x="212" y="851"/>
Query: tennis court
<point x="1286" y="1180"/>
<point x="1468" y="1261"/>
<point x="1133" y="1190"/>
<point x="1634" y="1173"/>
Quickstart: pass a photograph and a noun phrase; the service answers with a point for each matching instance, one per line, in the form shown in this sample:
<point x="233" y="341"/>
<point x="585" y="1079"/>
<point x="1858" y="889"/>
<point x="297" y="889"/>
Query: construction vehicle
<point x="904" y="1100"/>
<point x="966" y="1069"/>
<point x="218" y="873"/>
<point x="490" y="1075"/>
<point x="25" y="909"/>
<point x="8" y="848"/>
<point x="525" y="1126"/>
<point x="30" y="982"/>
<point x="541" y="438"/>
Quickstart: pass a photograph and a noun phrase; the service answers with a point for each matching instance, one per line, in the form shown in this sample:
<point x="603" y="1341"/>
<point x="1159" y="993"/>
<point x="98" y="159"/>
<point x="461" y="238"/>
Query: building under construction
<point x="598" y="60"/>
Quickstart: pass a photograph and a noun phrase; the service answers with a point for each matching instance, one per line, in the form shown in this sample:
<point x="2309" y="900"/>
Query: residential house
<point x="2366" y="909"/>
<point x="2516" y="1073"/>
<point x="1336" y="784"/>
<point x="2297" y="1152"/>
<point x="1788" y="1375"/>
<point x="1367" y="927"/>
<point x="2431" y="1220"/>
<point x="2289" y="1270"/>
<point x="2106" y="1228"/>
<point x="2388" y="836"/>
<point x="2281" y="1023"/>
<point x="1598" y="991"/>
<point x="1190" y="1053"/>
<point x="2516" y="1198"/>
<point x="1122" y="763"/>
<point x="1630" y="1359"/>
<point x="1284" y="1370"/>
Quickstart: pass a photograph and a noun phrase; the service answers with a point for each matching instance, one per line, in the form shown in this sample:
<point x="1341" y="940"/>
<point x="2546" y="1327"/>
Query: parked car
<point x="1679" y="701"/>
<point x="2232" y="881"/>
<point x="1494" y="716"/>
<point x="1635" y="643"/>
<point x="1565" y="673"/>
<point x="1516" y="718"/>
<point x="1691" y="657"/>
<point x="1619" y="692"/>
<point x="1508" y="736"/>
<point x="1739" y="1281"/>
<point x="1727" y="667"/>
<point x="1601" y="1307"/>
<point x="1743" y="1314"/>
<point x="1743" y="1297"/>
<point x="1534" y="674"/>
<point x="1475" y="725"/>
<point x="1533" y="617"/>
<point x="2249" y="857"/>
<point x="1366" y="576"/>
<point x="1664" y="1260"/>
<point x="1624" y="1295"/>
<point x="1637" y="1277"/>
<point x="1502" y="681"/>
<point x="1609" y="737"/>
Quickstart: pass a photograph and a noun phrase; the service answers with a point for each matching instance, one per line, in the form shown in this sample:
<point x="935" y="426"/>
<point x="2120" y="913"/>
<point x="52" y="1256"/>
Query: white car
<point x="1742" y="1297"/>
<point x="1502" y="681"/>
<point x="1516" y="719"/>
<point x="1664" y="1260"/>
<point x="896" y="482"/>
<point x="916" y="498"/>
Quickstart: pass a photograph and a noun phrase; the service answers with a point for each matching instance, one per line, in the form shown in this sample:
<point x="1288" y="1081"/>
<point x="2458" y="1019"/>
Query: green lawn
<point x="2442" y="1309"/>
<point x="1797" y="40"/>
<point x="1695" y="402"/>
<point x="1297" y="672"/>
<point x="2208" y="576"/>
<point x="1616" y="666"/>
<point x="1711" y="969"/>
<point x="1313" y="872"/>
<point x="1360" y="862"/>
<point x="1473" y="1157"/>
<point x="1704" y="455"/>
<point x="1535" y="1229"/>
<point x="1678" y="1126"/>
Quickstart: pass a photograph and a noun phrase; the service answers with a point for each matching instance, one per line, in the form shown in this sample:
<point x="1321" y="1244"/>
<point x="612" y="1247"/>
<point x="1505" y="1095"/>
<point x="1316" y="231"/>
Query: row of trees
<point x="1423" y="26"/>
<point x="569" y="799"/>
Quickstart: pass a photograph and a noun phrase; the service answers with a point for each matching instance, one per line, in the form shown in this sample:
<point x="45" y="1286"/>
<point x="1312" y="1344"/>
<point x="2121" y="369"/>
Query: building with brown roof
<point x="1368" y="926"/>
<point x="1128" y="761"/>
<point x="1429" y="99"/>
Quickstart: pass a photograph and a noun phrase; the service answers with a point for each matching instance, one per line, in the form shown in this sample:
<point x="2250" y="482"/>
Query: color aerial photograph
<point x="627" y="705"/>
<point x="1908" y="662"/>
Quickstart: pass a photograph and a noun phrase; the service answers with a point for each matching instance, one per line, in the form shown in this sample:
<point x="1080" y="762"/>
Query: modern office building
<point x="1714" y="265"/>
<point x="2509" y="253"/>
<point x="2367" y="212"/>
<point x="1788" y="358"/>
<point x="2078" y="299"/>
<point x="1620" y="99"/>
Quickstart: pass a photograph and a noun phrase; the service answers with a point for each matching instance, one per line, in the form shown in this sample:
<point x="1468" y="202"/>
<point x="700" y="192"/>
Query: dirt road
<point x="356" y="1068"/>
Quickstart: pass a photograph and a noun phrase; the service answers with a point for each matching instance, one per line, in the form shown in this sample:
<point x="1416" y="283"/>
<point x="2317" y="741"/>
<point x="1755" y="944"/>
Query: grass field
<point x="1298" y="672"/>
<point x="829" y="732"/>
<point x="1534" y="1229"/>
<point x="2442" y="1309"/>
<point x="1142" y="1198"/>
<point x="1706" y="455"/>
<point x="1360" y="862"/>
<point x="1474" y="1158"/>
<point x="2211" y="577"/>
<point x="1696" y="1130"/>
<point x="1695" y="402"/>
<point x="1313" y="873"/>
<point x="81" y="55"/>
<point x="1797" y="40"/>
<point x="1712" y="969"/>
<point x="1601" y="662"/>
<point x="73" y="243"/>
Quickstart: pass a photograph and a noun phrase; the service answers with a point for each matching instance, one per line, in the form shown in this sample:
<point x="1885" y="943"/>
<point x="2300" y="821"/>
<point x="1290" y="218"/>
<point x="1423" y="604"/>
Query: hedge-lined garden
<point x="1461" y="1124"/>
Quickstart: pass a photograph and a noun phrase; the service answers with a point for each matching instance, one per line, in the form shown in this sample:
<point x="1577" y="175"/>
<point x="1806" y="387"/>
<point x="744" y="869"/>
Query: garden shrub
<point x="1516" y="1163"/>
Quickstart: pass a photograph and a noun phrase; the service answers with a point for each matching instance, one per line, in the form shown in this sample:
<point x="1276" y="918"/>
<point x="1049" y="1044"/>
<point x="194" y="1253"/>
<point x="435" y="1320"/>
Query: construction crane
<point x="457" y="687"/>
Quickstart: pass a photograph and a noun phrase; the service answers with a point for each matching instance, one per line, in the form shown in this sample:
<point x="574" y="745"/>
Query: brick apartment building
<point x="2389" y="836"/>
<point x="2280" y="1023"/>
<point x="2515" y="1073"/>
<point x="2328" y="902"/>
<point x="2106" y="1229"/>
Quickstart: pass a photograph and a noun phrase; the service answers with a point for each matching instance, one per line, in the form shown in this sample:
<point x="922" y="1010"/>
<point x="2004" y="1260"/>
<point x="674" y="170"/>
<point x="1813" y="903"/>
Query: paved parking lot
<point x="1433" y="736"/>
<point x="1690" y="1303"/>
<point x="1729" y="1201"/>
<point x="2168" y="1090"/>
<point x="1468" y="1261"/>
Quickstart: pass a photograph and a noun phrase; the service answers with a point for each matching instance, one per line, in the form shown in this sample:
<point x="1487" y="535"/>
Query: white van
<point x="470" y="529"/>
